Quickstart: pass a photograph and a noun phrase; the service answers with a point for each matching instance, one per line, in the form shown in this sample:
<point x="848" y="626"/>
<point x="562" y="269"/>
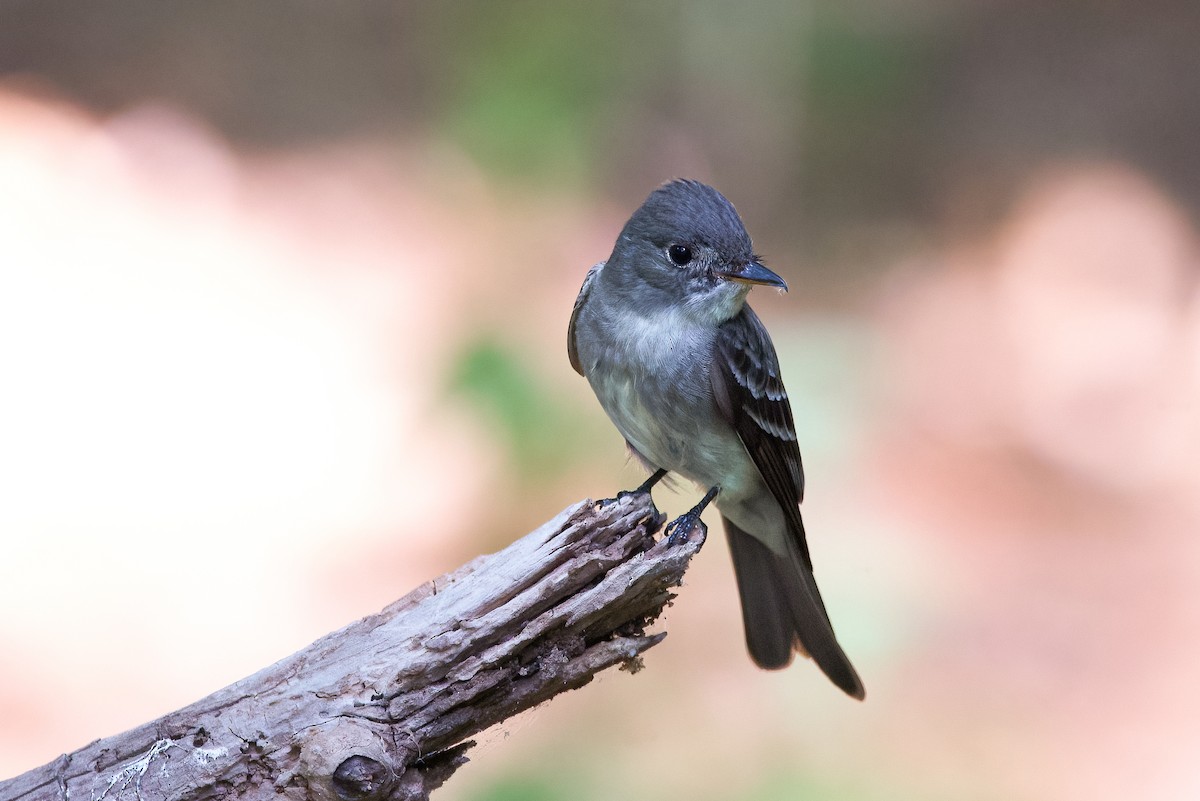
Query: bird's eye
<point x="680" y="254"/>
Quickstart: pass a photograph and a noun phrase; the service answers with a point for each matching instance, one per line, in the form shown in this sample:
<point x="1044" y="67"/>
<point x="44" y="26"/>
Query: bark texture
<point x="383" y="708"/>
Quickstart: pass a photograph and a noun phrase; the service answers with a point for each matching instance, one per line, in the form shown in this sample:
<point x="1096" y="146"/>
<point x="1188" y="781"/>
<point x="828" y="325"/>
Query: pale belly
<point x="654" y="385"/>
<point x="674" y="425"/>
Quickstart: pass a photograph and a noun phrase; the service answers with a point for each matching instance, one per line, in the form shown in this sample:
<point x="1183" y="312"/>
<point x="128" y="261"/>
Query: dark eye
<point x="680" y="254"/>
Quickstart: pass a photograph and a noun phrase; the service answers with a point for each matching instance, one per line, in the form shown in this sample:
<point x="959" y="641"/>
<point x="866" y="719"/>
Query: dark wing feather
<point x="750" y="396"/>
<point x="572" y="350"/>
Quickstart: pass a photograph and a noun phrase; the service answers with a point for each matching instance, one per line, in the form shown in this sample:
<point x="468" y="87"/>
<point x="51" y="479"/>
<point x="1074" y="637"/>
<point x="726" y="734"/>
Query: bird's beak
<point x="752" y="273"/>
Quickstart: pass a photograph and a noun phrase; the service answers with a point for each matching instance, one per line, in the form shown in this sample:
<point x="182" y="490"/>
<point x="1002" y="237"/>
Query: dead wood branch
<point x="382" y="709"/>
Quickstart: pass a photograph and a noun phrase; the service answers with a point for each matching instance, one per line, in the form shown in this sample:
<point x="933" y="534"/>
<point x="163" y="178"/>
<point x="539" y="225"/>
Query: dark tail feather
<point x="769" y="630"/>
<point x="782" y="610"/>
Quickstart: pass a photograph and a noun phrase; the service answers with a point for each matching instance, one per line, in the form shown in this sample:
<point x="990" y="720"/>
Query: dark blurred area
<point x="825" y="118"/>
<point x="283" y="300"/>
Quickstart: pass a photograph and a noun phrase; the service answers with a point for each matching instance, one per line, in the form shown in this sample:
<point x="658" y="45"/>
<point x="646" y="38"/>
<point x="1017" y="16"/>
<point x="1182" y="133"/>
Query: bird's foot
<point x="677" y="530"/>
<point x="645" y="486"/>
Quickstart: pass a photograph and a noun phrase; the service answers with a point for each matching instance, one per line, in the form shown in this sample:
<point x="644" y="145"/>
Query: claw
<point x="678" y="529"/>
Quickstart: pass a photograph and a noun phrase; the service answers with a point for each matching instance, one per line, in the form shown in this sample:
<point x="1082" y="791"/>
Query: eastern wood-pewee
<point x="688" y="374"/>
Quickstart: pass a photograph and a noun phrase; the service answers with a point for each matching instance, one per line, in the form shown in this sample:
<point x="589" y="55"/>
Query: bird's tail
<point x="783" y="612"/>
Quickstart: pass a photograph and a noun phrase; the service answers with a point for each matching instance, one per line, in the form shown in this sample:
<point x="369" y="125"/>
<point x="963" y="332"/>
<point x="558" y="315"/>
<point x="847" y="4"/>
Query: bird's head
<point x="686" y="246"/>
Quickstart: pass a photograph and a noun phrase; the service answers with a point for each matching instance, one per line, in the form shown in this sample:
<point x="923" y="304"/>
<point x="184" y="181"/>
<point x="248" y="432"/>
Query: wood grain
<point x="384" y="708"/>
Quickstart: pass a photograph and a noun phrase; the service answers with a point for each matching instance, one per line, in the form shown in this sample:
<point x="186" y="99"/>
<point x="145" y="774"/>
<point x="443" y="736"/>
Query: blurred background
<point x="284" y="289"/>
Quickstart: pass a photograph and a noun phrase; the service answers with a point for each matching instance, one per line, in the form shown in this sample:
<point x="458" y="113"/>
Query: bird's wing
<point x="750" y="396"/>
<point x="572" y="349"/>
<point x="780" y="599"/>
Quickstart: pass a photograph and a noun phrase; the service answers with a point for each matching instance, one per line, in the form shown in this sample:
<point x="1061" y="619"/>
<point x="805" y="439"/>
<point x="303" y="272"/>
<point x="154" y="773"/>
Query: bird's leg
<point x="677" y="530"/>
<point x="645" y="486"/>
<point x="649" y="483"/>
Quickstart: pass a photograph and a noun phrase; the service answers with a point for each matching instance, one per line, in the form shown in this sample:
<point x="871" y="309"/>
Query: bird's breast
<point x="651" y="376"/>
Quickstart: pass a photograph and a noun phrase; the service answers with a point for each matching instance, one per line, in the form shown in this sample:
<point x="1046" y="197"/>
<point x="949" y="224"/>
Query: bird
<point x="688" y="374"/>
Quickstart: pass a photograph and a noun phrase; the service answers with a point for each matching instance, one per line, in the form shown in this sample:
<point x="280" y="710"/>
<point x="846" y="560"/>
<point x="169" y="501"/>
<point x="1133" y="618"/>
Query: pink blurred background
<point x="272" y="356"/>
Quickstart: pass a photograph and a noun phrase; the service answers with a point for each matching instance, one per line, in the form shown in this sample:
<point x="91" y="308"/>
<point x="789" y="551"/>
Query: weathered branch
<point x="382" y="709"/>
